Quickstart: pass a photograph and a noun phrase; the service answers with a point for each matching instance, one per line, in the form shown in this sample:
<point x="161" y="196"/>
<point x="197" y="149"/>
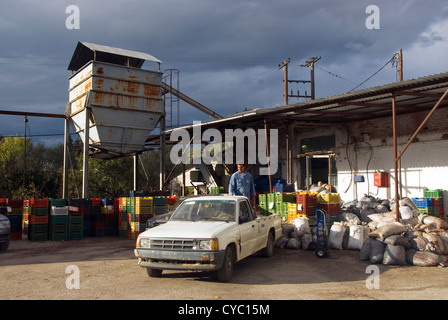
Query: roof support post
<point x="85" y="162"/>
<point x="397" y="175"/>
<point x="66" y="156"/>
<point x="423" y="124"/>
<point x="267" y="154"/>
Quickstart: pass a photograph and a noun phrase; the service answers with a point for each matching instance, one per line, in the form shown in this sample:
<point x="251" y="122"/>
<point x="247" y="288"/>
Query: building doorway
<point x="315" y="161"/>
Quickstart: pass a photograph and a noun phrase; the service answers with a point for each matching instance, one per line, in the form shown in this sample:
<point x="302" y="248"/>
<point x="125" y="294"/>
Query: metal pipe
<point x="422" y="124"/>
<point x="394" y="126"/>
<point x="66" y="151"/>
<point x="85" y="162"/>
<point x="267" y="155"/>
<point x="33" y="114"/>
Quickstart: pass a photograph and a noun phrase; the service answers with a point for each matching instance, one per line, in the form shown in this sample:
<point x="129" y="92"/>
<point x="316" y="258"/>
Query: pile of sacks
<point x="296" y="235"/>
<point x="417" y="239"/>
<point x="369" y="225"/>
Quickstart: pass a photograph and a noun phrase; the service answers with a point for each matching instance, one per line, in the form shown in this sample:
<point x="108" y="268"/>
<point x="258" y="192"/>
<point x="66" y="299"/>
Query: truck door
<point x="248" y="230"/>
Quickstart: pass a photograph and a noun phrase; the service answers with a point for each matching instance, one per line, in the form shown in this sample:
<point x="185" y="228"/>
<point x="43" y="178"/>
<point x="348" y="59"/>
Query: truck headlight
<point x="210" y="244"/>
<point x="145" y="243"/>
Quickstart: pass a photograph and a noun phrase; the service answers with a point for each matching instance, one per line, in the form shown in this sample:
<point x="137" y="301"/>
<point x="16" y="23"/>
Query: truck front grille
<point x="172" y="244"/>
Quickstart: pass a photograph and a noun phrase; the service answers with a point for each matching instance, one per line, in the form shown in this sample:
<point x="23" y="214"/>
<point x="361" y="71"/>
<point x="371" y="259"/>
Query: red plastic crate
<point x="306" y="204"/>
<point x="39" y="203"/>
<point x="95" y="202"/>
<point x="14" y="203"/>
<point x="331" y="209"/>
<point x="38" y="219"/>
<point x="437" y="202"/>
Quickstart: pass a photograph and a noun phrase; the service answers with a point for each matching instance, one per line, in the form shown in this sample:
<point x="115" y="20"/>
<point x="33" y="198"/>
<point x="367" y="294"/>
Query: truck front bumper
<point x="180" y="260"/>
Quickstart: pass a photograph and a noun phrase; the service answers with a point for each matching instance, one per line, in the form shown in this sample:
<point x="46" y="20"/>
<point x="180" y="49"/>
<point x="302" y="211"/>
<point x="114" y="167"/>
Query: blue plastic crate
<point x="422" y="202"/>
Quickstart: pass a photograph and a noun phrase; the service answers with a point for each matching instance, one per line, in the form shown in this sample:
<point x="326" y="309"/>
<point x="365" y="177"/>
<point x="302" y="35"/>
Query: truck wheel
<point x="226" y="272"/>
<point x="269" y="250"/>
<point x="154" y="273"/>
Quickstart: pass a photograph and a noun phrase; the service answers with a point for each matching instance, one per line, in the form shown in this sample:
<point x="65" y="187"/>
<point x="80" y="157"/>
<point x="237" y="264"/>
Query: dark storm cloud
<point x="227" y="51"/>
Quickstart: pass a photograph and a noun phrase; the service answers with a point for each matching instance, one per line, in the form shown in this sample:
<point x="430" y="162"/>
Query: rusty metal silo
<point x="122" y="101"/>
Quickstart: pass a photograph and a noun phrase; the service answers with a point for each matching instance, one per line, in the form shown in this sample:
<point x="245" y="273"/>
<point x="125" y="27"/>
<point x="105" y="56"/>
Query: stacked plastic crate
<point x="79" y="212"/>
<point x="38" y="214"/>
<point x="14" y="212"/>
<point x="437" y="202"/>
<point x="98" y="219"/>
<point x="75" y="230"/>
<point x="122" y="218"/>
<point x="263" y="204"/>
<point x="130" y="209"/>
<point x="108" y="210"/>
<point x="143" y="211"/>
<point x="159" y="204"/>
<point x="306" y="203"/>
<point x="282" y="203"/>
<point x="330" y="202"/>
<point x="431" y="203"/>
<point x="59" y="220"/>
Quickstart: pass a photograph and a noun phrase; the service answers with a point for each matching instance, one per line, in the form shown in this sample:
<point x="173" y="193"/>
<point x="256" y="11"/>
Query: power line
<point x="335" y="75"/>
<point x="390" y="61"/>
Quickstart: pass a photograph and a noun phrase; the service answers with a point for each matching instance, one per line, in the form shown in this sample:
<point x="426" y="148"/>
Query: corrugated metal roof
<point x="86" y="52"/>
<point x="414" y="95"/>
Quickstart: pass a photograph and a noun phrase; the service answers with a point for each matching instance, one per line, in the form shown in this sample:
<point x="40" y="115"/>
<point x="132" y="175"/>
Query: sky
<point x="227" y="51"/>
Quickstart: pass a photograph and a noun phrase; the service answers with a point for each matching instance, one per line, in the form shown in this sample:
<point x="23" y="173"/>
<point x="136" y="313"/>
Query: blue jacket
<point x="242" y="186"/>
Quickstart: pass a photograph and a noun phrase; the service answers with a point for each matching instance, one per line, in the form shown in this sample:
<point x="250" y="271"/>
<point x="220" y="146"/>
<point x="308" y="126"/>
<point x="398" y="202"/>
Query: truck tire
<point x="269" y="250"/>
<point x="226" y="272"/>
<point x="154" y="273"/>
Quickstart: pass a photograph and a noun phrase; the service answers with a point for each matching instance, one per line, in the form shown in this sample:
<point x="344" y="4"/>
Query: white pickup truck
<point x="207" y="233"/>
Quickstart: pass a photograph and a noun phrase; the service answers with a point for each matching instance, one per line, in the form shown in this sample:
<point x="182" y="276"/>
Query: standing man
<point x="242" y="184"/>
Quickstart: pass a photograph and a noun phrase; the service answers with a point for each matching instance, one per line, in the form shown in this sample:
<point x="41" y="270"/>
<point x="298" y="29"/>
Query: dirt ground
<point x="108" y="270"/>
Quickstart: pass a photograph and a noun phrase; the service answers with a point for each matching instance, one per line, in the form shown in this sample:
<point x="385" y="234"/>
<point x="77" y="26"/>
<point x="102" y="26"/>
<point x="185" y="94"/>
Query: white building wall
<point x="424" y="165"/>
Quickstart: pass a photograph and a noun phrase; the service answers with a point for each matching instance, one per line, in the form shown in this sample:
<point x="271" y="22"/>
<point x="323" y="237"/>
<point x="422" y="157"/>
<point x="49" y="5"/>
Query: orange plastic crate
<point x="39" y="203"/>
<point x="38" y="219"/>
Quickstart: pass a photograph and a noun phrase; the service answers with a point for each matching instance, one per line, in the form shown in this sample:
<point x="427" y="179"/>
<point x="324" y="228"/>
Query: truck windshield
<point x="211" y="210"/>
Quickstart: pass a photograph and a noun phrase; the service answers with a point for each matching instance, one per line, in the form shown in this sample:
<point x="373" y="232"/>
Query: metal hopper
<point x="122" y="102"/>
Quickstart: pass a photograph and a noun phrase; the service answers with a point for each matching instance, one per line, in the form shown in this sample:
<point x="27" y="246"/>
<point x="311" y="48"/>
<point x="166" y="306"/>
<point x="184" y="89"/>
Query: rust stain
<point x="99" y="84"/>
<point x="87" y="85"/>
<point x="98" y="98"/>
<point x="133" y="87"/>
<point x="100" y="70"/>
<point x="151" y="91"/>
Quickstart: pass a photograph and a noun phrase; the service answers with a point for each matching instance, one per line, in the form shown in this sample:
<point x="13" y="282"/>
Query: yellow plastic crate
<point x="292" y="208"/>
<point x="143" y="201"/>
<point x="329" y="198"/>
<point x="108" y="209"/>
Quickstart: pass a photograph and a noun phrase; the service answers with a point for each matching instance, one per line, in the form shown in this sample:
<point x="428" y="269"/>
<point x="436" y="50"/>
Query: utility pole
<point x="310" y="63"/>
<point x="400" y="65"/>
<point x="284" y="65"/>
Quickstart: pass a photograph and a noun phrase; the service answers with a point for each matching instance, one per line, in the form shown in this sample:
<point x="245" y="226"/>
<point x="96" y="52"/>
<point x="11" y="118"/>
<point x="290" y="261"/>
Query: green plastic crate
<point x="427" y="210"/>
<point x="438" y="193"/>
<point x="79" y="235"/>
<point x="37" y="236"/>
<point x="58" y="236"/>
<point x="58" y="219"/>
<point x="159" y="201"/>
<point x="58" y="202"/>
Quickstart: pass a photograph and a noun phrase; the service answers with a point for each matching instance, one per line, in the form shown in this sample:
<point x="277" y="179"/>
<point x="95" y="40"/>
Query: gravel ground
<point x="108" y="270"/>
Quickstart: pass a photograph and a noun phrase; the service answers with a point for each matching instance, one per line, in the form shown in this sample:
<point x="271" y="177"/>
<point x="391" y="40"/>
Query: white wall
<point x="424" y="164"/>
